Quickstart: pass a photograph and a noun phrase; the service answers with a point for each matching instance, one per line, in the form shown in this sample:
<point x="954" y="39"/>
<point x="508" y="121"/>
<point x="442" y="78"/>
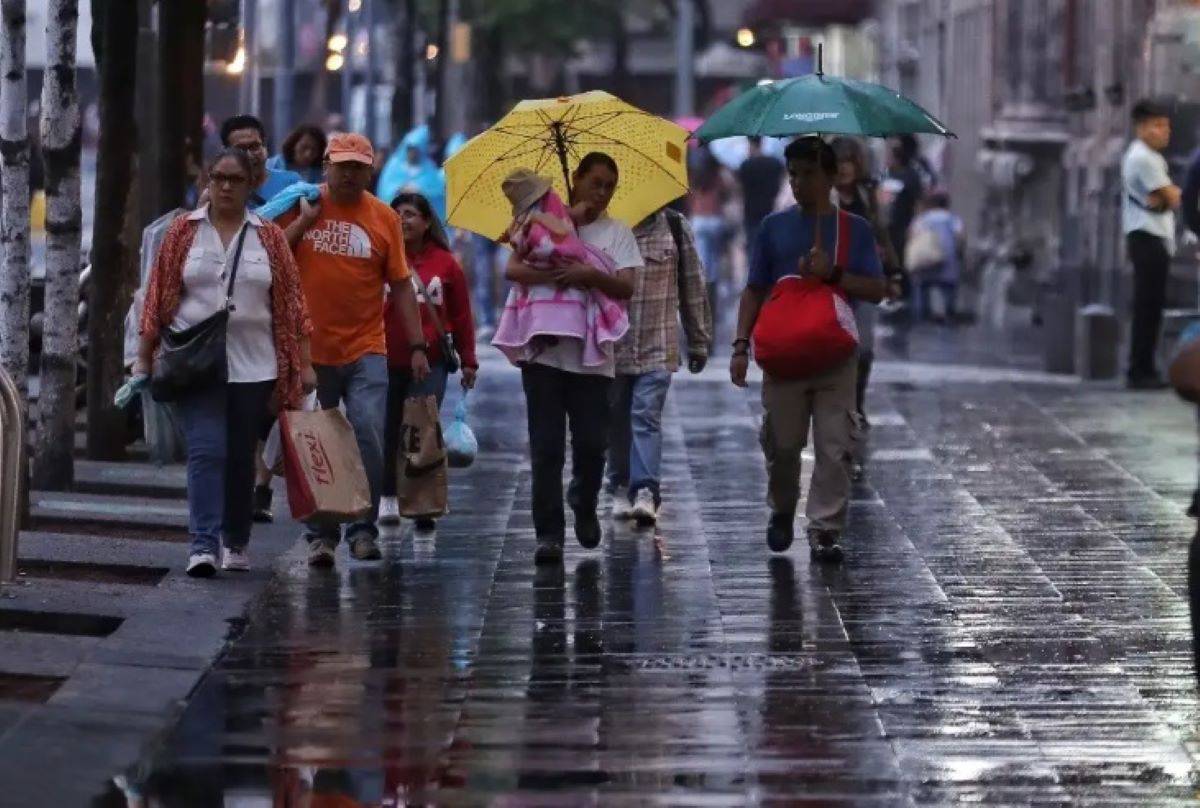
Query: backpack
<point x="806" y="327"/>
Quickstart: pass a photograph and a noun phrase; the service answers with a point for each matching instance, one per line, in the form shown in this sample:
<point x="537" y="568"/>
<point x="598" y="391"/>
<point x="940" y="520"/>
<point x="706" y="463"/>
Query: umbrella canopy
<point x="551" y="136"/>
<point x="819" y="105"/>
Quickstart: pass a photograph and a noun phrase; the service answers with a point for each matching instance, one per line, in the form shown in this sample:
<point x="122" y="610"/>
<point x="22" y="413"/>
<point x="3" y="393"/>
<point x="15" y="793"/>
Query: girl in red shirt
<point x="428" y="252"/>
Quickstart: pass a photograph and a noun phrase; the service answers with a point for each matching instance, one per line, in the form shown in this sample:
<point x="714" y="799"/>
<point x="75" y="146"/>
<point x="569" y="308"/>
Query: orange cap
<point x="350" y="147"/>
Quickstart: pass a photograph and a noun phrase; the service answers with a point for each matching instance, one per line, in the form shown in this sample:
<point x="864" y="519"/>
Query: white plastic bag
<point x="461" y="444"/>
<point x="272" y="455"/>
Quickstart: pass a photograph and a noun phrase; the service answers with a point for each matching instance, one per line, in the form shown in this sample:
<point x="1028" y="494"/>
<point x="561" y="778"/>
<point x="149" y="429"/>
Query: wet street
<point x="1010" y="627"/>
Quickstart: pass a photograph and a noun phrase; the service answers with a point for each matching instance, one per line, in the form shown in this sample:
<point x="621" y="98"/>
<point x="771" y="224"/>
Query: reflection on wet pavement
<point x="1010" y="628"/>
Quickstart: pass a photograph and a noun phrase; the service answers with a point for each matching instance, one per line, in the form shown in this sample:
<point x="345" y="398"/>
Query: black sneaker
<point x="262" y="504"/>
<point x="549" y="551"/>
<point x="587" y="529"/>
<point x="425" y="524"/>
<point x="823" y="546"/>
<point x="781" y="532"/>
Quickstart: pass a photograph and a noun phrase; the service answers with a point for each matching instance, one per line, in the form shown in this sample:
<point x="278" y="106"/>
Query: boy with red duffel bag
<point x="806" y="265"/>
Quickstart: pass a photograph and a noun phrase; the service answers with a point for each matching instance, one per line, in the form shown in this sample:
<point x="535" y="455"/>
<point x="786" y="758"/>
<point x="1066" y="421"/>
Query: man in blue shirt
<point x="785" y="245"/>
<point x="246" y="132"/>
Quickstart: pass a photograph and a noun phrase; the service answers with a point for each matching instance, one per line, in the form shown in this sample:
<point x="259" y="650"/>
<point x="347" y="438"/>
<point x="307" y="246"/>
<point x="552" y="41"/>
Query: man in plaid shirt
<point x="649" y="354"/>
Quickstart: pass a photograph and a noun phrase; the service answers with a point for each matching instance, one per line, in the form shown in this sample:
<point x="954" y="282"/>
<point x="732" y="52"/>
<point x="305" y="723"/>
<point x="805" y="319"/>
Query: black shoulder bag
<point x="194" y="358"/>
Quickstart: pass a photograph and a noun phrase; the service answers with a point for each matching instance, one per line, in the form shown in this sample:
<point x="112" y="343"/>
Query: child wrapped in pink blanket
<point x="543" y="236"/>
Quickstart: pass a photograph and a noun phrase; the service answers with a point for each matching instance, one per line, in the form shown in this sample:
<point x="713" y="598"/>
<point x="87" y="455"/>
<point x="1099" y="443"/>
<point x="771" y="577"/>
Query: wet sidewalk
<point x="1010" y="627"/>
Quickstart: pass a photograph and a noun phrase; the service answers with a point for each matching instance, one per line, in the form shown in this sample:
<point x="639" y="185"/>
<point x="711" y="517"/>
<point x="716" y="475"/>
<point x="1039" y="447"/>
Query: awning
<point x="806" y="12"/>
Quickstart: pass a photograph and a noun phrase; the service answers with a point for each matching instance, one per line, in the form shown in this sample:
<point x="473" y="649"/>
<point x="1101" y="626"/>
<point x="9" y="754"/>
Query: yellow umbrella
<point x="551" y="136"/>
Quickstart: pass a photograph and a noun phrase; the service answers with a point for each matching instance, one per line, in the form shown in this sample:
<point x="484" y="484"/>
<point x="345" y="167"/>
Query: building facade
<point x="1039" y="92"/>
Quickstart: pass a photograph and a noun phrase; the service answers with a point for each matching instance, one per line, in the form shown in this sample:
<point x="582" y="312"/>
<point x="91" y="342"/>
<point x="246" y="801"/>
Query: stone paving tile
<point x="1011" y="627"/>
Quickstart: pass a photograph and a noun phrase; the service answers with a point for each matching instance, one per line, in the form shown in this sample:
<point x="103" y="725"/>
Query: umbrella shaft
<point x="560" y="146"/>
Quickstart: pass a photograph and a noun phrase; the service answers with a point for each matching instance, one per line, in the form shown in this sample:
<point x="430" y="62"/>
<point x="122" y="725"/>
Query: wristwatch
<point x="745" y="346"/>
<point x="423" y="347"/>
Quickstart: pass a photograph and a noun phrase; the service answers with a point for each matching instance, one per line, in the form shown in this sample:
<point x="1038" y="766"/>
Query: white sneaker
<point x="622" y="508"/>
<point x="389" y="511"/>
<point x="202" y="565"/>
<point x="644" y="510"/>
<point x="234" y="560"/>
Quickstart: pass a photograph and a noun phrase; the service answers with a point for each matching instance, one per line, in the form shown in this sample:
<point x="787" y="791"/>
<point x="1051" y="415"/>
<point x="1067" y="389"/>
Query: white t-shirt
<point x="1143" y="171"/>
<point x="249" y="341"/>
<point x="616" y="240"/>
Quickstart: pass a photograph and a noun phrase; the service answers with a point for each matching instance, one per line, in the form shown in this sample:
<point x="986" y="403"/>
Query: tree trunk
<point x="114" y="267"/>
<point x="53" y="457"/>
<point x="439" y="72"/>
<point x="14" y="185"/>
<point x="181" y="96"/>
<point x="402" y="98"/>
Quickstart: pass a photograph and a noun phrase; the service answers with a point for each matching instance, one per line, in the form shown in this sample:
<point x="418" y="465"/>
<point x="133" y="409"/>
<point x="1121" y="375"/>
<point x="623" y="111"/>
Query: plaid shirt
<point x="652" y="342"/>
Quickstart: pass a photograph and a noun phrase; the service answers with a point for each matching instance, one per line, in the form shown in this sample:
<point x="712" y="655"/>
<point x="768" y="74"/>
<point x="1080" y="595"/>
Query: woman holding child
<point x="567" y="367"/>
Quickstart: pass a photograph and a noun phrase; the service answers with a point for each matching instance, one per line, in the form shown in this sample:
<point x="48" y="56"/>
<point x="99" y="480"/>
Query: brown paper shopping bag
<point x="325" y="477"/>
<point x="422" y="485"/>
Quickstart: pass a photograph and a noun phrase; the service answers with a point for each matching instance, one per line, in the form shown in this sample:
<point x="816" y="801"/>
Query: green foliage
<point x="548" y="26"/>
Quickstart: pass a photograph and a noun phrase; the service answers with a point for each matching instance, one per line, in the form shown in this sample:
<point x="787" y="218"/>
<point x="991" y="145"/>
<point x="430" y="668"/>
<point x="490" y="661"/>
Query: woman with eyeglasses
<point x="267" y="353"/>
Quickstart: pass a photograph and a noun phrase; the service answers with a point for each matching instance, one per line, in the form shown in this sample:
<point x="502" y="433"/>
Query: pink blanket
<point x="533" y="313"/>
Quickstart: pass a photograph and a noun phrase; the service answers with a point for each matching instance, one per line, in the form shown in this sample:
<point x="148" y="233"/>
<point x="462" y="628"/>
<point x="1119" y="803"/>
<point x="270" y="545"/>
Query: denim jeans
<point x="483" y="270"/>
<point x="363" y="386"/>
<point x="220" y="426"/>
<point x="635" y="439"/>
<point x="400" y="389"/>
<point x="710" y="244"/>
<point x="552" y="397"/>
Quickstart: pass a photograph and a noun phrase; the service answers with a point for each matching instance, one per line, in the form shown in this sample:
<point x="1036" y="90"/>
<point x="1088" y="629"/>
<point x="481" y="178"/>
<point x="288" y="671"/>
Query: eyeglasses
<point x="250" y="148"/>
<point x="232" y="180"/>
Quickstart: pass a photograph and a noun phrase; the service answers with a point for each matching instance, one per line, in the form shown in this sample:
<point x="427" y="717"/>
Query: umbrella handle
<point x="560" y="146"/>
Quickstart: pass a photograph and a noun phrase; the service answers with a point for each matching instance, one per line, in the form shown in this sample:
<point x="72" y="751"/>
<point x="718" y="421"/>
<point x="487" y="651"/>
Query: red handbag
<point x="806" y="327"/>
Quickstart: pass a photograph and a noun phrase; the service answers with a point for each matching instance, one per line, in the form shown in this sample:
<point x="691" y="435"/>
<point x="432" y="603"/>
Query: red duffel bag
<point x="806" y="327"/>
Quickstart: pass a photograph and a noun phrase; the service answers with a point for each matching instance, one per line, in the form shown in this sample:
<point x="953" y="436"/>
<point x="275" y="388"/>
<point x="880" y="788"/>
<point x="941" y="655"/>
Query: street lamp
<point x="338" y="43"/>
<point x="354" y="6"/>
<point x="334" y="62"/>
<point x="745" y="37"/>
<point x="238" y="65"/>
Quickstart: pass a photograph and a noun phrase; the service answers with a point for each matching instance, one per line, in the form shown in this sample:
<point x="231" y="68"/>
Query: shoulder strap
<point x="237" y="259"/>
<point x="841" y="252"/>
<point x="433" y="312"/>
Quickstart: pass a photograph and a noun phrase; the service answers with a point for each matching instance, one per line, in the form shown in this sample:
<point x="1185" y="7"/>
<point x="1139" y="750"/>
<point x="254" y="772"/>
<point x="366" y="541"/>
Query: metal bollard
<point x="12" y="461"/>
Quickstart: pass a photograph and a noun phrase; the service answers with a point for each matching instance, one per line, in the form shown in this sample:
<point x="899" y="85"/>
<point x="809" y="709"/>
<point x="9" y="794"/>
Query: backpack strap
<point x="841" y="250"/>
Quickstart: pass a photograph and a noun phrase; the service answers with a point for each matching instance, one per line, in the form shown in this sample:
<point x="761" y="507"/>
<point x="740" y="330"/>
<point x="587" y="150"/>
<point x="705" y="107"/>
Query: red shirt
<point x="447" y="286"/>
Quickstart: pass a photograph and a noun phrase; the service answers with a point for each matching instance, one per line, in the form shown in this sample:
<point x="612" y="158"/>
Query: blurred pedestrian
<point x="349" y="247"/>
<point x="247" y="133"/>
<point x="710" y="191"/>
<point x="670" y="289"/>
<point x="223" y="251"/>
<point x="761" y="178"/>
<point x="557" y="384"/>
<point x="1148" y="220"/>
<point x="855" y="192"/>
<point x="946" y="226"/>
<point x="449" y="299"/>
<point x="789" y="241"/>
<point x="901" y="191"/>
<point x="411" y="168"/>
<point x="302" y="152"/>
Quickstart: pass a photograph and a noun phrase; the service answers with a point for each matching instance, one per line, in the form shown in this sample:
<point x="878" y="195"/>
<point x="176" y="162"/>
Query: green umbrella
<point x="819" y="105"/>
